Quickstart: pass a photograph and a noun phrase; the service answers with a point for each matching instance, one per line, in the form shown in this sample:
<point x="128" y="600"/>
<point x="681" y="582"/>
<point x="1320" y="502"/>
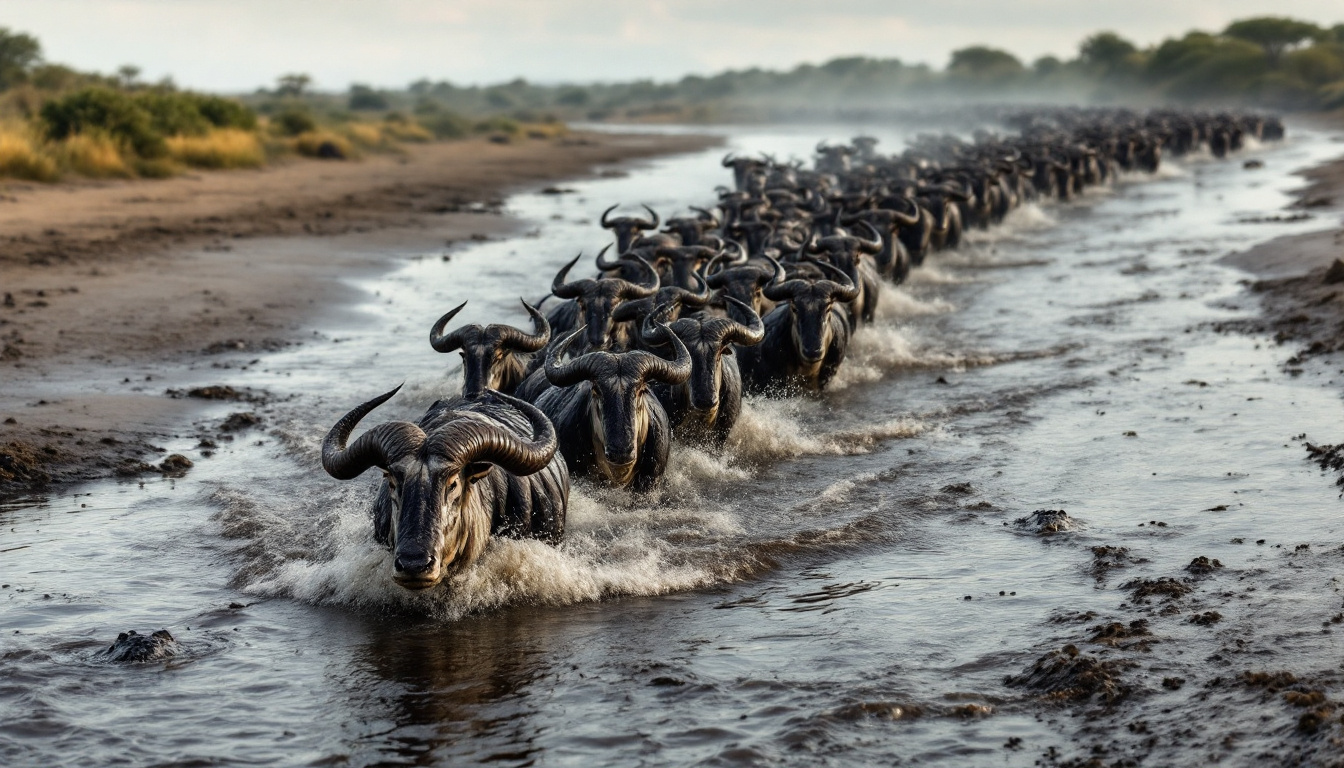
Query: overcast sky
<point x="237" y="45"/>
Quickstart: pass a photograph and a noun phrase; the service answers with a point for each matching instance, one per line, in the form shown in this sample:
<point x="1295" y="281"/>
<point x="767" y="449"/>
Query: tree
<point x="127" y="74"/>
<point x="365" y="99"/>
<point x="292" y="84"/>
<point x="19" y="53"/>
<point x="984" y="64"/>
<point x="1047" y="65"/>
<point x="1275" y="34"/>
<point x="1105" y="51"/>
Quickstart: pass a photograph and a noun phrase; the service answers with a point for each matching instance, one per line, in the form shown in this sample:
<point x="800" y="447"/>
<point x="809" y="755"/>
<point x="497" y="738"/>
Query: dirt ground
<point x="102" y="280"/>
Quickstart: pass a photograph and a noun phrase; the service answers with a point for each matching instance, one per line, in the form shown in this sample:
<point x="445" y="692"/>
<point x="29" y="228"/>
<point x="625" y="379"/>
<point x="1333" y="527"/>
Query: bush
<point x="221" y="148"/>
<point x="19" y="159"/>
<point x="365" y="99"/>
<point x="449" y="125"/>
<point x="225" y="113"/>
<point x="406" y="130"/>
<point x="103" y="109"/>
<point x="294" y="122"/>
<point x="173" y="114"/>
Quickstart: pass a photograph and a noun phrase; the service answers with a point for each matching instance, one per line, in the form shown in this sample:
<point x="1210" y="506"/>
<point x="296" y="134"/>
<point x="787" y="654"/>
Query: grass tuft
<point x="220" y="148"/>
<point x="20" y="159"/>
<point x="93" y="154"/>
<point x="325" y="145"/>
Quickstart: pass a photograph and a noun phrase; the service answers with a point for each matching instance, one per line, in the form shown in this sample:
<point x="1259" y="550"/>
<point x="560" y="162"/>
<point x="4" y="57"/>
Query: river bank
<point x="104" y="284"/>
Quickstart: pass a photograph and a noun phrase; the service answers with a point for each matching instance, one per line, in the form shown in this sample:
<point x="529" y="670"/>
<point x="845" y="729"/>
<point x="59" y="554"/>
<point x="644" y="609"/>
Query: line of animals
<point x="759" y="295"/>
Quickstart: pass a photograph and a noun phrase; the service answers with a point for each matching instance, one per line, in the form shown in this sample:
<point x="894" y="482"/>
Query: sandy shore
<point x="109" y="281"/>
<point x="1302" y="301"/>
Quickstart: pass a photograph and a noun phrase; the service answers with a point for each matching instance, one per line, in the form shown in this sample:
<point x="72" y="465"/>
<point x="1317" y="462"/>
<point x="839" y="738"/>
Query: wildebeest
<point x="467" y="470"/>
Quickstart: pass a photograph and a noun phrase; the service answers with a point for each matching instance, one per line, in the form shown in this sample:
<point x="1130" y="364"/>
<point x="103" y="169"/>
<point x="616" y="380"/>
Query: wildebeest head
<point x="810" y="301"/>
<point x="439" y="525"/>
<point x="627" y="227"/>
<point x="619" y="383"/>
<point x="708" y="338"/>
<point x="745" y="282"/>
<point x="484" y="349"/>
<point x="598" y="297"/>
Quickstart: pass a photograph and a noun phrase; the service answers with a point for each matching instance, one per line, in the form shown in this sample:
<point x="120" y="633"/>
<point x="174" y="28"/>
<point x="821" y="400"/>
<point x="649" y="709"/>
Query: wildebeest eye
<point x="452" y="485"/>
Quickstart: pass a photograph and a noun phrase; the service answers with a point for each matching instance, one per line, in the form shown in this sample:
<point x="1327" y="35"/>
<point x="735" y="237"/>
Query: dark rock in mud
<point x="1173" y="683"/>
<point x="175" y="465"/>
<point x="132" y="647"/>
<point x="1118" y="635"/>
<point x="961" y="489"/>
<point x="1165" y="588"/>
<point x="1070" y="675"/>
<point x="240" y="421"/>
<point x="1207" y="618"/>
<point x="1203" y="566"/>
<point x="1335" y="274"/>
<point x="1047" y="521"/>
<point x="133" y="467"/>
<point x="217" y="392"/>
<point x="881" y="710"/>
<point x="1107" y="558"/>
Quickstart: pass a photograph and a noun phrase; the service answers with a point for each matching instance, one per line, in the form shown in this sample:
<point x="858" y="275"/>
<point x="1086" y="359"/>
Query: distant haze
<point x="239" y="45"/>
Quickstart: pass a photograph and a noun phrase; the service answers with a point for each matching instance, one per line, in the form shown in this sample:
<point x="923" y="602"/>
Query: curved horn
<point x="452" y="341"/>
<point x="712" y="218"/>
<point x="564" y="374"/>
<point x="637" y="290"/>
<point x="562" y="289"/>
<point x="605" y="213"/>
<point x="654" y="214"/>
<point x="376" y="448"/>
<point x="603" y="264"/>
<point x="745" y="335"/>
<point x="778" y="274"/>
<point x="728" y="160"/>
<point x="477" y="442"/>
<point x="654" y="329"/>
<point x="875" y="244"/>
<point x="844" y="291"/>
<point x="516" y="340"/>
<point x="675" y="371"/>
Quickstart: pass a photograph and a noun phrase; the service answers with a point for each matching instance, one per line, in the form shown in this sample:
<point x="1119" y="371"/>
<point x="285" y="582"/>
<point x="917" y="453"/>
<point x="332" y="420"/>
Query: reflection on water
<point x="846" y="584"/>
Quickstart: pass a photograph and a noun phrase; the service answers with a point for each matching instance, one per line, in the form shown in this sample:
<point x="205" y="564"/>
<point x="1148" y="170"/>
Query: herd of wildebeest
<point x="759" y="294"/>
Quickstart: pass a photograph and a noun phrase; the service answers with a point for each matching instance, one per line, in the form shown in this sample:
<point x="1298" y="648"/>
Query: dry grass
<point x="21" y="158"/>
<point x="94" y="155"/>
<point x="365" y="135"/>
<point x="221" y="148"/>
<point x="324" y="144"/>
<point x="410" y="132"/>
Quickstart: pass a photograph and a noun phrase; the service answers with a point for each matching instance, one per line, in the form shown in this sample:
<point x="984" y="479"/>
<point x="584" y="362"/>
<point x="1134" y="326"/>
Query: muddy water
<point x="848" y="584"/>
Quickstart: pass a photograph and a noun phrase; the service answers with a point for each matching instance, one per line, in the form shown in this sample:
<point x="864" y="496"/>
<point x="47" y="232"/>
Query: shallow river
<point x="848" y="584"/>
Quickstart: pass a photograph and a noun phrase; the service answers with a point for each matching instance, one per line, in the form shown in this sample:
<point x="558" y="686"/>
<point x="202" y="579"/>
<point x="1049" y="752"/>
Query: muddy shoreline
<point x="105" y="286"/>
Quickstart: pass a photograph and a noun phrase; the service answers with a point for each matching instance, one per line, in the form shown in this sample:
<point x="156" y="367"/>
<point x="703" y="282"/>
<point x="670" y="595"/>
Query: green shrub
<point x="225" y="113"/>
<point x="116" y="113"/>
<point x="447" y="125"/>
<point x="293" y="122"/>
<point x="173" y="114"/>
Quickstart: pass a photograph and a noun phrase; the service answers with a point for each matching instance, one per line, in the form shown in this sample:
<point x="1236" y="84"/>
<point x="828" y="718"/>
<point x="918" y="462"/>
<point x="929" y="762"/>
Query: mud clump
<point x="237" y="422"/>
<point x="879" y="710"/>
<point x="1107" y="558"/>
<point x="1048" y="521"/>
<point x="1118" y="635"/>
<point x="1069" y="675"/>
<point x="1329" y="458"/>
<point x="1203" y="566"/>
<point x="175" y="465"/>
<point x="1165" y="588"/>
<point x="133" y="648"/>
<point x="960" y="489"/>
<point x="21" y="462"/>
<point x="1207" y="618"/>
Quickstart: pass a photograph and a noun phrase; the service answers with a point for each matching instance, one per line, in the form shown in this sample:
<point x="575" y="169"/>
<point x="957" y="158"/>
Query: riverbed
<point x="858" y="579"/>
